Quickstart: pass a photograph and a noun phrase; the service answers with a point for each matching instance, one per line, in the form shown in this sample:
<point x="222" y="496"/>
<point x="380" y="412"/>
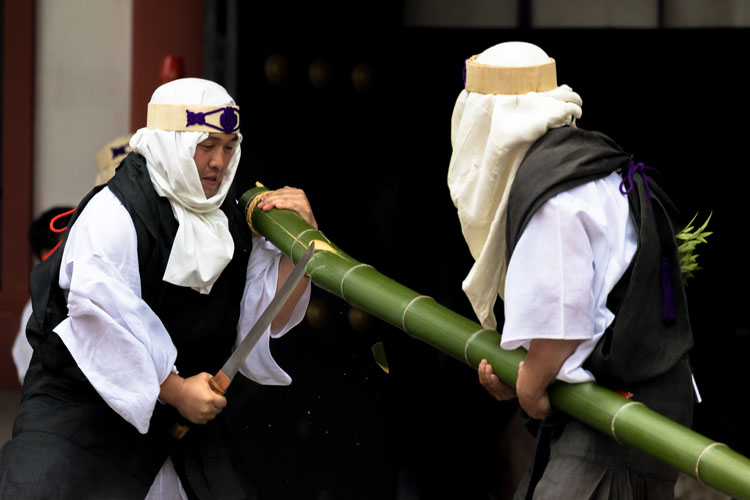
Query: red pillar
<point x="16" y="171"/>
<point x="161" y="28"/>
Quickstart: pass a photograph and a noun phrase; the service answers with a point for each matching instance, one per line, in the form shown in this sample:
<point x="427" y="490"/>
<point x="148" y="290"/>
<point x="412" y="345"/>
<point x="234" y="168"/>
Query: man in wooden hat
<point x="577" y="239"/>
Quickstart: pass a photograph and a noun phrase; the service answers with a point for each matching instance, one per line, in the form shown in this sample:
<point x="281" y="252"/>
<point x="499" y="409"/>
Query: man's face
<point x="212" y="159"/>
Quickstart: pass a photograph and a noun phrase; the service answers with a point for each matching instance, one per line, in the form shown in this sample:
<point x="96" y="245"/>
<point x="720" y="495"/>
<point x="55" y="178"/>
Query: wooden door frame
<point x="16" y="171"/>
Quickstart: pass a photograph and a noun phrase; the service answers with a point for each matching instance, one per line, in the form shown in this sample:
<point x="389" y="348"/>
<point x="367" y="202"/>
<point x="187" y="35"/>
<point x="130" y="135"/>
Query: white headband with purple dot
<point x="193" y="118"/>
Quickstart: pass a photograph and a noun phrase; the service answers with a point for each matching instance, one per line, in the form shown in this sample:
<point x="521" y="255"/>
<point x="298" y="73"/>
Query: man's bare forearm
<point x="286" y="266"/>
<point x="542" y="364"/>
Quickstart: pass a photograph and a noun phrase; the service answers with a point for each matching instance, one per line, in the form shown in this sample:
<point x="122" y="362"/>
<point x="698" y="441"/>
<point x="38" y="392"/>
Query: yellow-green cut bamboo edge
<point x="361" y="285"/>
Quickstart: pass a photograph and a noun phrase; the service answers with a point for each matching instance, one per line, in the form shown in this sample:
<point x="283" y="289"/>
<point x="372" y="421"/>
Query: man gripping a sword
<point x="158" y="280"/>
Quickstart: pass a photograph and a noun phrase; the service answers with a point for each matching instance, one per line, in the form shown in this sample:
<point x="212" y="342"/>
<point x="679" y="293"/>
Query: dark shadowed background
<point x="373" y="159"/>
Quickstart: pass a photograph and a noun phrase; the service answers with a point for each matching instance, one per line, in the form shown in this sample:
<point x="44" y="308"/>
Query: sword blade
<point x="220" y="382"/>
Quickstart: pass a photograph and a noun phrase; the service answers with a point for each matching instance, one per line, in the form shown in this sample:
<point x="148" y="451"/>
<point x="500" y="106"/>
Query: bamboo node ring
<point x="297" y="240"/>
<point x="346" y="274"/>
<point x="403" y="315"/>
<point x="698" y="462"/>
<point x="469" y="341"/>
<point x="617" y="413"/>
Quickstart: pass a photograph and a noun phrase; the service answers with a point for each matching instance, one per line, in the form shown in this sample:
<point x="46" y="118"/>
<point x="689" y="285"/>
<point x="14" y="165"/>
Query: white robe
<point x="118" y="341"/>
<point x="21" y="349"/>
<point x="566" y="262"/>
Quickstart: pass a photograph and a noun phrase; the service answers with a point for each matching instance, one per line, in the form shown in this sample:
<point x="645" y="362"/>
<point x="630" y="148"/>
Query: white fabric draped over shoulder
<point x="21" y="350"/>
<point x="203" y="245"/>
<point x="574" y="250"/>
<point x="490" y="135"/>
<point x="116" y="339"/>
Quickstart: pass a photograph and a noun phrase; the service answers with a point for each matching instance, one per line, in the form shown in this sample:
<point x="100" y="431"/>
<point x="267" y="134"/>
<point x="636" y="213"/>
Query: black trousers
<point x="586" y="464"/>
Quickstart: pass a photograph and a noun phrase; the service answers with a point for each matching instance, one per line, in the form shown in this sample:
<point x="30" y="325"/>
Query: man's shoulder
<point x="101" y="204"/>
<point x="104" y="218"/>
<point x="572" y="139"/>
<point x="562" y="159"/>
<point x="565" y="157"/>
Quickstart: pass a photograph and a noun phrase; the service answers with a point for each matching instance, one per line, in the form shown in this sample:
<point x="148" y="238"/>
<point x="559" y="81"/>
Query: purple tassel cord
<point x="668" y="312"/>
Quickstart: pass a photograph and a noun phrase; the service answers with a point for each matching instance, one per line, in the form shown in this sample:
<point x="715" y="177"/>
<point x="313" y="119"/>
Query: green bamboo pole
<point x="630" y="423"/>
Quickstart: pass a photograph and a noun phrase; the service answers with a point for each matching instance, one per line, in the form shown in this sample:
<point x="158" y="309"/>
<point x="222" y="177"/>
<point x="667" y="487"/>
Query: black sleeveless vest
<point x="56" y="396"/>
<point x="639" y="345"/>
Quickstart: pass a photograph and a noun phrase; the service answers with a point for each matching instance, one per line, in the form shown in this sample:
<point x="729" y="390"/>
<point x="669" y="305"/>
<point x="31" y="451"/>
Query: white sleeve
<point x="117" y="341"/>
<point x="22" y="350"/>
<point x="260" y="288"/>
<point x="551" y="279"/>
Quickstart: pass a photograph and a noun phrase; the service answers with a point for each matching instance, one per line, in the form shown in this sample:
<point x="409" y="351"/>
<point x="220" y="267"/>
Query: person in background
<point x="45" y="233"/>
<point x="108" y="158"/>
<point x="43" y="238"/>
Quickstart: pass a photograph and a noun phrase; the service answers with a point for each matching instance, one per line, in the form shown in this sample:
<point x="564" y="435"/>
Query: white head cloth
<point x="491" y="134"/>
<point x="203" y="245"/>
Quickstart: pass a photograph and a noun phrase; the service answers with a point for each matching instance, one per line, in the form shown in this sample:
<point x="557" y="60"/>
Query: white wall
<point x="83" y="68"/>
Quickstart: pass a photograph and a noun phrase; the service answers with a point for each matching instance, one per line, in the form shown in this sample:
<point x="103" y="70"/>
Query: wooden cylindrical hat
<point x="509" y="80"/>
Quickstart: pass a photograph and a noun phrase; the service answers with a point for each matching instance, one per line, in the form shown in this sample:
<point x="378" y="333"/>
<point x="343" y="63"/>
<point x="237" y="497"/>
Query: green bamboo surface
<point x="630" y="423"/>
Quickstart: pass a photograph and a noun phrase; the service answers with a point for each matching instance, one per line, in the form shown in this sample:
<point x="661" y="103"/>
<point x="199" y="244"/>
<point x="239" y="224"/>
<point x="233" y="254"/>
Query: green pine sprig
<point x="688" y="240"/>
